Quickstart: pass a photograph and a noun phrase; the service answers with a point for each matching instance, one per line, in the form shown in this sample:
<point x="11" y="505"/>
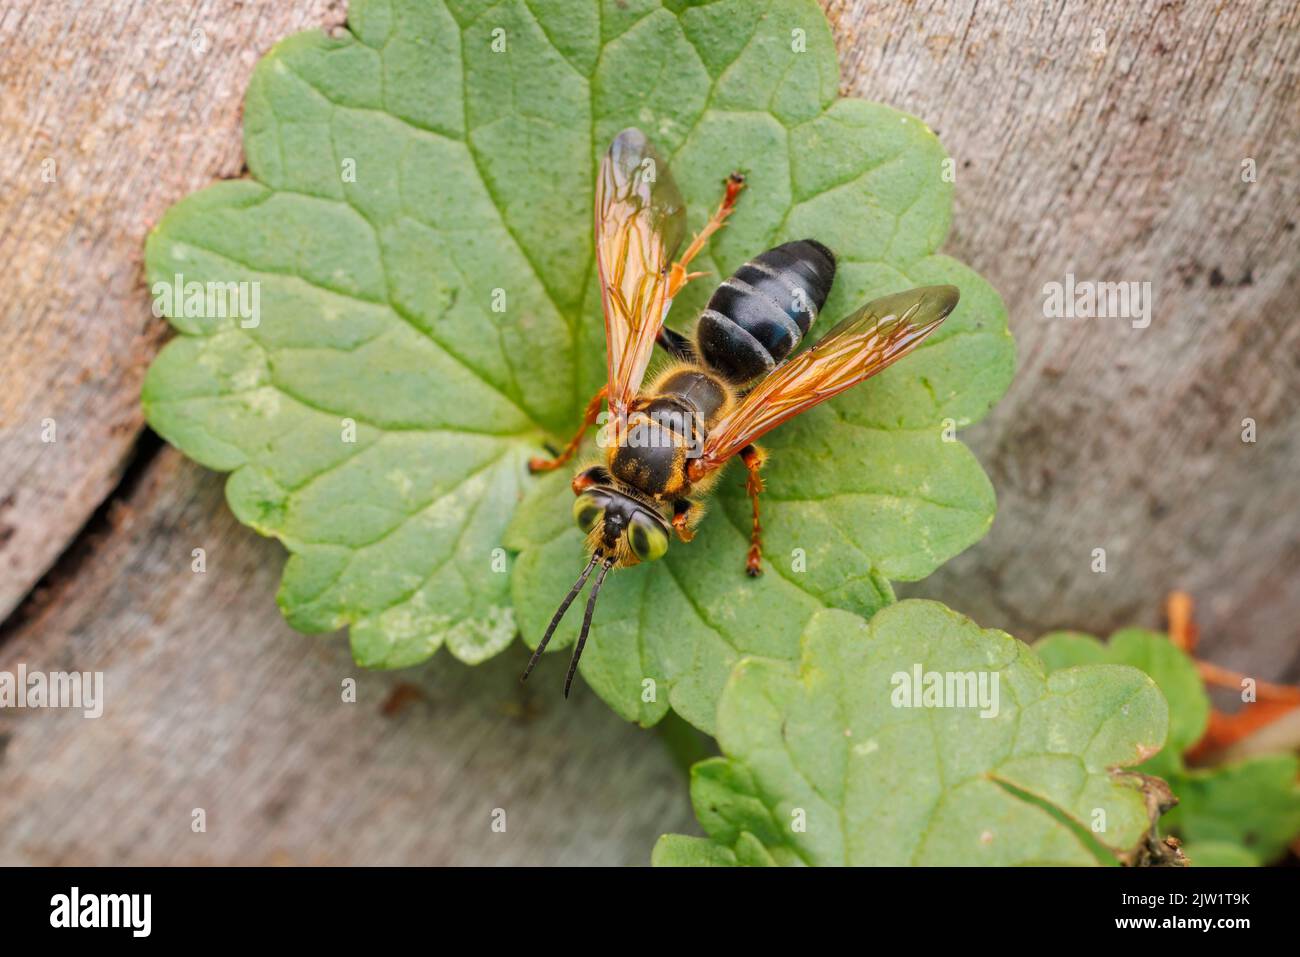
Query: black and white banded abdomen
<point x="757" y="317"/>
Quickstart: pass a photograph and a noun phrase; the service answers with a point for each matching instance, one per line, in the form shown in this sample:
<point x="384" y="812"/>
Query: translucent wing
<point x="877" y="335"/>
<point x="640" y="220"/>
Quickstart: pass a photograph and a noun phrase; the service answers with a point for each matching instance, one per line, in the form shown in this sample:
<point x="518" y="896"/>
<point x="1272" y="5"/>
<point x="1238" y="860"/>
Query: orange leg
<point x="753" y="458"/>
<point x="539" y="464"/>
<point x="679" y="276"/>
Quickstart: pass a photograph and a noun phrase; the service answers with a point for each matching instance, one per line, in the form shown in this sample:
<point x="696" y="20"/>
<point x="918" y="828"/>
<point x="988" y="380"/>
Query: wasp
<point x="737" y="377"/>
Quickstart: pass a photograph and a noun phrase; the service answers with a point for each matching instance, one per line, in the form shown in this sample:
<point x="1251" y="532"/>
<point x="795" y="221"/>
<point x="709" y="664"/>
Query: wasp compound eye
<point x="647" y="538"/>
<point x="588" y="509"/>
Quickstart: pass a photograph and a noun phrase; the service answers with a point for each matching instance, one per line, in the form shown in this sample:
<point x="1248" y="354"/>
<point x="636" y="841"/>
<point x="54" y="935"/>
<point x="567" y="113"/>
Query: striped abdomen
<point x="757" y="317"/>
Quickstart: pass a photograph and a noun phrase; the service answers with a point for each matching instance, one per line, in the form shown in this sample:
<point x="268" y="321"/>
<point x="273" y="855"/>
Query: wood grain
<point x="1119" y="164"/>
<point x="1123" y="165"/>
<point x="109" y="113"/>
<point x="213" y="702"/>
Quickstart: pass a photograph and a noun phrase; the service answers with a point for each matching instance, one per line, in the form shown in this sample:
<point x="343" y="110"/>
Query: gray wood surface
<point x="135" y="104"/>
<point x="212" y="702"/>
<point x="1123" y="165"/>
<point x="1115" y="165"/>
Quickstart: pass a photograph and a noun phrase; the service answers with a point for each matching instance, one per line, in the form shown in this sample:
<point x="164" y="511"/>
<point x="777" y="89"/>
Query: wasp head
<point x="622" y="529"/>
<point x="620" y="526"/>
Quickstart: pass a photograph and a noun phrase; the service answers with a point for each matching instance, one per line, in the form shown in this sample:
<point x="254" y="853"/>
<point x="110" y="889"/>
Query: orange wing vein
<point x="871" y="339"/>
<point x="640" y="221"/>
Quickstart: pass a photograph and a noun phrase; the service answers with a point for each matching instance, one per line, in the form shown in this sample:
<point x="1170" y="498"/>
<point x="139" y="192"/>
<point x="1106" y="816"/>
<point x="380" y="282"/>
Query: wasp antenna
<point x="586" y="624"/>
<point x="559" y="614"/>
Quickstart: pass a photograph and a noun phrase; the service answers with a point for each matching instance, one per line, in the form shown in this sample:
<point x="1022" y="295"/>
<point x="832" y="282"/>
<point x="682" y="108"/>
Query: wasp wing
<point x="871" y="339"/>
<point x="640" y="221"/>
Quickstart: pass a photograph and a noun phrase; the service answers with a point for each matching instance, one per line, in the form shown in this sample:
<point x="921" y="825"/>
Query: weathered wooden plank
<point x="1120" y="164"/>
<point x="1114" y="163"/>
<point x="110" y="112"/>
<point x="1118" y="155"/>
<point x="213" y="702"/>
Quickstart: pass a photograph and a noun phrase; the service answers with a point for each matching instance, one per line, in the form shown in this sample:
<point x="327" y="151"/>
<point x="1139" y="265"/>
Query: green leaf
<point x="472" y="189"/>
<point x="827" y="763"/>
<point x="1248" y="810"/>
<point x="678" y="850"/>
<point x="1254" y="804"/>
<point x="1172" y="670"/>
<point x="1218" y="854"/>
<point x="861" y="491"/>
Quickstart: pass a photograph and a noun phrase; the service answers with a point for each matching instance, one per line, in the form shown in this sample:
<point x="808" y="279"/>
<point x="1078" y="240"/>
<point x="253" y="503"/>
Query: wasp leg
<point x="686" y="515"/>
<point x="679" y="276"/>
<point x="754" y="457"/>
<point x="675" y="344"/>
<point x="539" y="464"/>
